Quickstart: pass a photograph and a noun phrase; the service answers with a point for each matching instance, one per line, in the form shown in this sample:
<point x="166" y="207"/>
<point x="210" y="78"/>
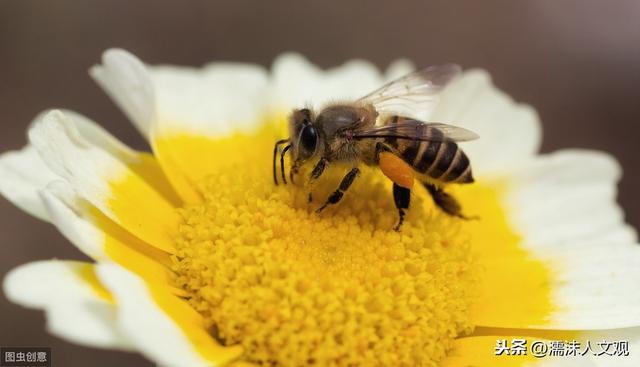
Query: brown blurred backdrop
<point x="577" y="62"/>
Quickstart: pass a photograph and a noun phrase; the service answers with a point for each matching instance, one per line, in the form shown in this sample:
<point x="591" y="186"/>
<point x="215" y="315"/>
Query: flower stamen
<point x="342" y="288"/>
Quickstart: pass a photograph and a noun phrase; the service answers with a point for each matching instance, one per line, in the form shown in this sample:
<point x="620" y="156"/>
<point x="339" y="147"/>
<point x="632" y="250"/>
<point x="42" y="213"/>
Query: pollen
<point x="340" y="288"/>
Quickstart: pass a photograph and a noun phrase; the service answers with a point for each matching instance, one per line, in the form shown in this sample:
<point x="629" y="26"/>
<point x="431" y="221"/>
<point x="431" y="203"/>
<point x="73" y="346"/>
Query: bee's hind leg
<point x="402" y="198"/>
<point x="346" y="182"/>
<point x="445" y="201"/>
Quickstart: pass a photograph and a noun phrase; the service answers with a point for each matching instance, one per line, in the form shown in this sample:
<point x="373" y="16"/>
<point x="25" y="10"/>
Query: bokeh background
<point x="577" y="62"/>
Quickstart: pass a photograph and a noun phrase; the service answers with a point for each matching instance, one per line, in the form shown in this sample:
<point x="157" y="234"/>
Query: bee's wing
<point x="417" y="130"/>
<point x="414" y="95"/>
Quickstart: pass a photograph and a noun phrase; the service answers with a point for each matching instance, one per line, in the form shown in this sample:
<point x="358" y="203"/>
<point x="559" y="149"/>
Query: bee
<point x="384" y="129"/>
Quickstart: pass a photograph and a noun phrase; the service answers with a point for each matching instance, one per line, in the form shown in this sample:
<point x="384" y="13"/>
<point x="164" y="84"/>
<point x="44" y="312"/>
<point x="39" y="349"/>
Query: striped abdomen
<point x="443" y="161"/>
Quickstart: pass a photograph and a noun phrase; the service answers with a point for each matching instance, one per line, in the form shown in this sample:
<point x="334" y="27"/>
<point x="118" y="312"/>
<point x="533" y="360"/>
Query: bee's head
<point x="305" y="136"/>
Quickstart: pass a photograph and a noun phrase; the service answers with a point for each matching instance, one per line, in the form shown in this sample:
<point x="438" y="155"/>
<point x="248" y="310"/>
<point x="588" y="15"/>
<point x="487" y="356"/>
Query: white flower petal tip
<point x="398" y="68"/>
<point x="126" y="80"/>
<point x="584" y="209"/>
<point x="145" y="321"/>
<point x="296" y="63"/>
<point x="72" y="157"/>
<point x="77" y="308"/>
<point x="211" y="100"/>
<point x="98" y="177"/>
<point x="22" y="174"/>
<point x="97" y="135"/>
<point x="297" y="82"/>
<point x="291" y="72"/>
<point x="473" y="102"/>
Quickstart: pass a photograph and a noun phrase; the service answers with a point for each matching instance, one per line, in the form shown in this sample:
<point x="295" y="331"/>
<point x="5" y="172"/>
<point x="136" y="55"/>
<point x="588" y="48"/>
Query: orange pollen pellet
<point x="396" y="169"/>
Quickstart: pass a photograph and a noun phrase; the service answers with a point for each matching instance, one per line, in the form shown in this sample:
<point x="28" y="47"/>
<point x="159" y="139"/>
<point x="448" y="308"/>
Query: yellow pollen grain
<point x="295" y="288"/>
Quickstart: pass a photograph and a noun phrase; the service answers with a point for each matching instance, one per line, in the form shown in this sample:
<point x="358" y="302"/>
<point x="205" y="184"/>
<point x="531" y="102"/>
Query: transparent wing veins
<point x="418" y="130"/>
<point x="415" y="94"/>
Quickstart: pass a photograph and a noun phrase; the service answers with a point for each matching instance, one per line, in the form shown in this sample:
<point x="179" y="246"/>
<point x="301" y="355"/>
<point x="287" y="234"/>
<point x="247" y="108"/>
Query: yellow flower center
<point x="339" y="288"/>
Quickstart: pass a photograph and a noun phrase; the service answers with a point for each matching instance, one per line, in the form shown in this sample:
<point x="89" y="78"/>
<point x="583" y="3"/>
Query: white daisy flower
<point x="198" y="259"/>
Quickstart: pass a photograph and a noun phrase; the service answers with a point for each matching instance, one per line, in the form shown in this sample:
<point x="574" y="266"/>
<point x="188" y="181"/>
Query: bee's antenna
<point x="275" y="155"/>
<point x="284" y="179"/>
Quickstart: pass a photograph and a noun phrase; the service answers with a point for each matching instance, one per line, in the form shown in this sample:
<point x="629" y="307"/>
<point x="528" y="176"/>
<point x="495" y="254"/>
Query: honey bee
<point x="384" y="129"/>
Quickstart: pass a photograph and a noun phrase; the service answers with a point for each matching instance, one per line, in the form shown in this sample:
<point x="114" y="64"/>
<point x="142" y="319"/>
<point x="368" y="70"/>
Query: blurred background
<point x="577" y="62"/>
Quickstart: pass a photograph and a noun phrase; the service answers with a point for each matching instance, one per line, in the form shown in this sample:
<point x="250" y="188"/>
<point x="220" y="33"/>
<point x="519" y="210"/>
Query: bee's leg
<point x="381" y="147"/>
<point x="335" y="197"/>
<point x="282" y="153"/>
<point x="317" y="171"/>
<point x="402" y="197"/>
<point x="275" y="156"/>
<point x="445" y="201"/>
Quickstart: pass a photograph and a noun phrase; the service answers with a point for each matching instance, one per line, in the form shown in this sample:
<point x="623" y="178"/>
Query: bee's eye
<point x="309" y="138"/>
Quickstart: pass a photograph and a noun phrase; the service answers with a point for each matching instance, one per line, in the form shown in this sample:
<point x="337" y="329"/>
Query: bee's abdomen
<point x="443" y="161"/>
<point x="446" y="162"/>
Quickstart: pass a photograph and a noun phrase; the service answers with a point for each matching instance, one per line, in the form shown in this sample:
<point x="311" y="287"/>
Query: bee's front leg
<point x="317" y="171"/>
<point x="346" y="182"/>
<point x="276" y="149"/>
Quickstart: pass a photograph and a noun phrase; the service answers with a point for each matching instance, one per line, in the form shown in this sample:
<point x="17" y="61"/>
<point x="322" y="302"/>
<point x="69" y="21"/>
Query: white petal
<point x="96" y="175"/>
<point x="567" y="198"/>
<point x="126" y="80"/>
<point x="144" y="164"/>
<point x="61" y="204"/>
<point x="77" y="221"/>
<point x="74" y="310"/>
<point x="509" y="132"/>
<point x="22" y="174"/>
<point x="351" y="80"/>
<point x="295" y="81"/>
<point x="595" y="286"/>
<point x="153" y="332"/>
<point x="214" y="100"/>
<point x="196" y="105"/>
<point x="89" y="323"/>
<point x="73" y="158"/>
<point x="97" y="135"/>
<point x="563" y="205"/>
<point x="399" y="68"/>
<point x="298" y="83"/>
